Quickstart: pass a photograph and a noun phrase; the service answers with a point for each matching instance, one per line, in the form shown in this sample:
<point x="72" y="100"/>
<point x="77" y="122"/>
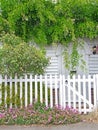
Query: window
<point x="95" y="49"/>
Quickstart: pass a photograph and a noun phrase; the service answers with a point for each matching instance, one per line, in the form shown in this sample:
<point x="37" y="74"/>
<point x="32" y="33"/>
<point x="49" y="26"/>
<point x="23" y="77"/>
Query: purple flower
<point x="59" y="107"/>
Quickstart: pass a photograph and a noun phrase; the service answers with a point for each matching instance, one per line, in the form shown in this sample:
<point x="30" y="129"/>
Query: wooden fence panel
<point x="78" y="92"/>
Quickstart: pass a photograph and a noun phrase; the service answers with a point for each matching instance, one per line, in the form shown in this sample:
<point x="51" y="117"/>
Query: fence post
<point x="0" y="88"/>
<point x="97" y="90"/>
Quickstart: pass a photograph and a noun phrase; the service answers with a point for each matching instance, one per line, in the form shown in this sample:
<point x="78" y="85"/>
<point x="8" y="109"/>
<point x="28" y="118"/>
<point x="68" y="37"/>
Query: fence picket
<point x="26" y="92"/>
<point x="84" y="93"/>
<point x="56" y="92"/>
<point x="60" y="93"/>
<point x="15" y="90"/>
<point x="5" y="85"/>
<point x="20" y="91"/>
<point x="46" y="91"/>
<point x="31" y="93"/>
<point x="51" y="92"/>
<point x="95" y="92"/>
<point x="79" y="90"/>
<point x="97" y="89"/>
<point x="74" y="96"/>
<point x="89" y="92"/>
<point x="41" y="92"/>
<point x="11" y="91"/>
<point x="63" y="77"/>
<point x="36" y="91"/>
<point x="69" y="90"/>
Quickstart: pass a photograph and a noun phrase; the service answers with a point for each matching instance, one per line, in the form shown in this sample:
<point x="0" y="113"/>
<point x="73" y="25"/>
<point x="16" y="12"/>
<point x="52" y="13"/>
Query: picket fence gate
<point x="78" y="92"/>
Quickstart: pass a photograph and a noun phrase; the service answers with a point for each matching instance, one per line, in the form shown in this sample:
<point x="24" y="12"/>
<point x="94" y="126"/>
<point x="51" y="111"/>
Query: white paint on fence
<point x="69" y="94"/>
<point x="78" y="92"/>
<point x="5" y="84"/>
<point x="61" y="92"/>
<point x="56" y="92"/>
<point x="74" y="95"/>
<point x="51" y="92"/>
<point x="46" y="91"/>
<point x="15" y="90"/>
<point x="26" y="91"/>
<point x="31" y="92"/>
<point x="95" y="90"/>
<point x="41" y="91"/>
<point x="21" y="91"/>
<point x="11" y="92"/>
<point x="84" y="92"/>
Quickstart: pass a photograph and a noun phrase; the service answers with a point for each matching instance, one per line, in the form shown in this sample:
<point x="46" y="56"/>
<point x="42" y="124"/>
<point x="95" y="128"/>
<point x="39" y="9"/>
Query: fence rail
<point x="79" y="92"/>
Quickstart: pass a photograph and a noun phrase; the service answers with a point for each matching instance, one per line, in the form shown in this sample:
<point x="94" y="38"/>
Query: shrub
<point x="18" y="57"/>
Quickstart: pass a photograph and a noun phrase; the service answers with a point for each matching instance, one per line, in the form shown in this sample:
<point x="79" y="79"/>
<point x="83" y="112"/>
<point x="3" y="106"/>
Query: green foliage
<point x="20" y="58"/>
<point x="46" y="22"/>
<point x="87" y="29"/>
<point x="4" y="26"/>
<point x="73" y="59"/>
<point x="11" y="39"/>
<point x="28" y="20"/>
<point x="85" y="14"/>
<point x="43" y="21"/>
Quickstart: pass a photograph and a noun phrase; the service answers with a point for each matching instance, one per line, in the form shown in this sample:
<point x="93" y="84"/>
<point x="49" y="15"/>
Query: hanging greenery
<point x="47" y="22"/>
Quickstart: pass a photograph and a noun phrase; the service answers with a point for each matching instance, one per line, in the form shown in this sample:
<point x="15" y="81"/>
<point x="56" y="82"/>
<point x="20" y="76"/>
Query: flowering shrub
<point x="18" y="57"/>
<point x="38" y="114"/>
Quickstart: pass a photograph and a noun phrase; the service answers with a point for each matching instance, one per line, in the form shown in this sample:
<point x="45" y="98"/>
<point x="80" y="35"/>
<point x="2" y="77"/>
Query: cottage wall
<point x="56" y="65"/>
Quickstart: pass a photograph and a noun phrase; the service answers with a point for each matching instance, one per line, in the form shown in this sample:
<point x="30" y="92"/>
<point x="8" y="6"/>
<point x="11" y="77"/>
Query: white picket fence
<point x="78" y="92"/>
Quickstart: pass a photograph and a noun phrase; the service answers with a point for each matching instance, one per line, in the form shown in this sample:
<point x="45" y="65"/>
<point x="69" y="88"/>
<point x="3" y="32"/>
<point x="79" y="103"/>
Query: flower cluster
<point x="38" y="114"/>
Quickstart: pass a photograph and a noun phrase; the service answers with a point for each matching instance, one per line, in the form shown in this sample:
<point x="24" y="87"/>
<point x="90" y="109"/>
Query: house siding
<point x="55" y="55"/>
<point x="56" y="65"/>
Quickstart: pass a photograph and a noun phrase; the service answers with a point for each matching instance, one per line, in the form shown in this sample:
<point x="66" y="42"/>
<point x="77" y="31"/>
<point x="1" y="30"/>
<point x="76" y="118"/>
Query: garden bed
<point x="38" y="114"/>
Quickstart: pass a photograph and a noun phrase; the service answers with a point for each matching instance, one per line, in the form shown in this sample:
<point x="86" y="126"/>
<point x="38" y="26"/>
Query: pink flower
<point x="14" y="116"/>
<point x="50" y="118"/>
<point x="1" y="115"/>
<point x="10" y="110"/>
<point x="46" y="108"/>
